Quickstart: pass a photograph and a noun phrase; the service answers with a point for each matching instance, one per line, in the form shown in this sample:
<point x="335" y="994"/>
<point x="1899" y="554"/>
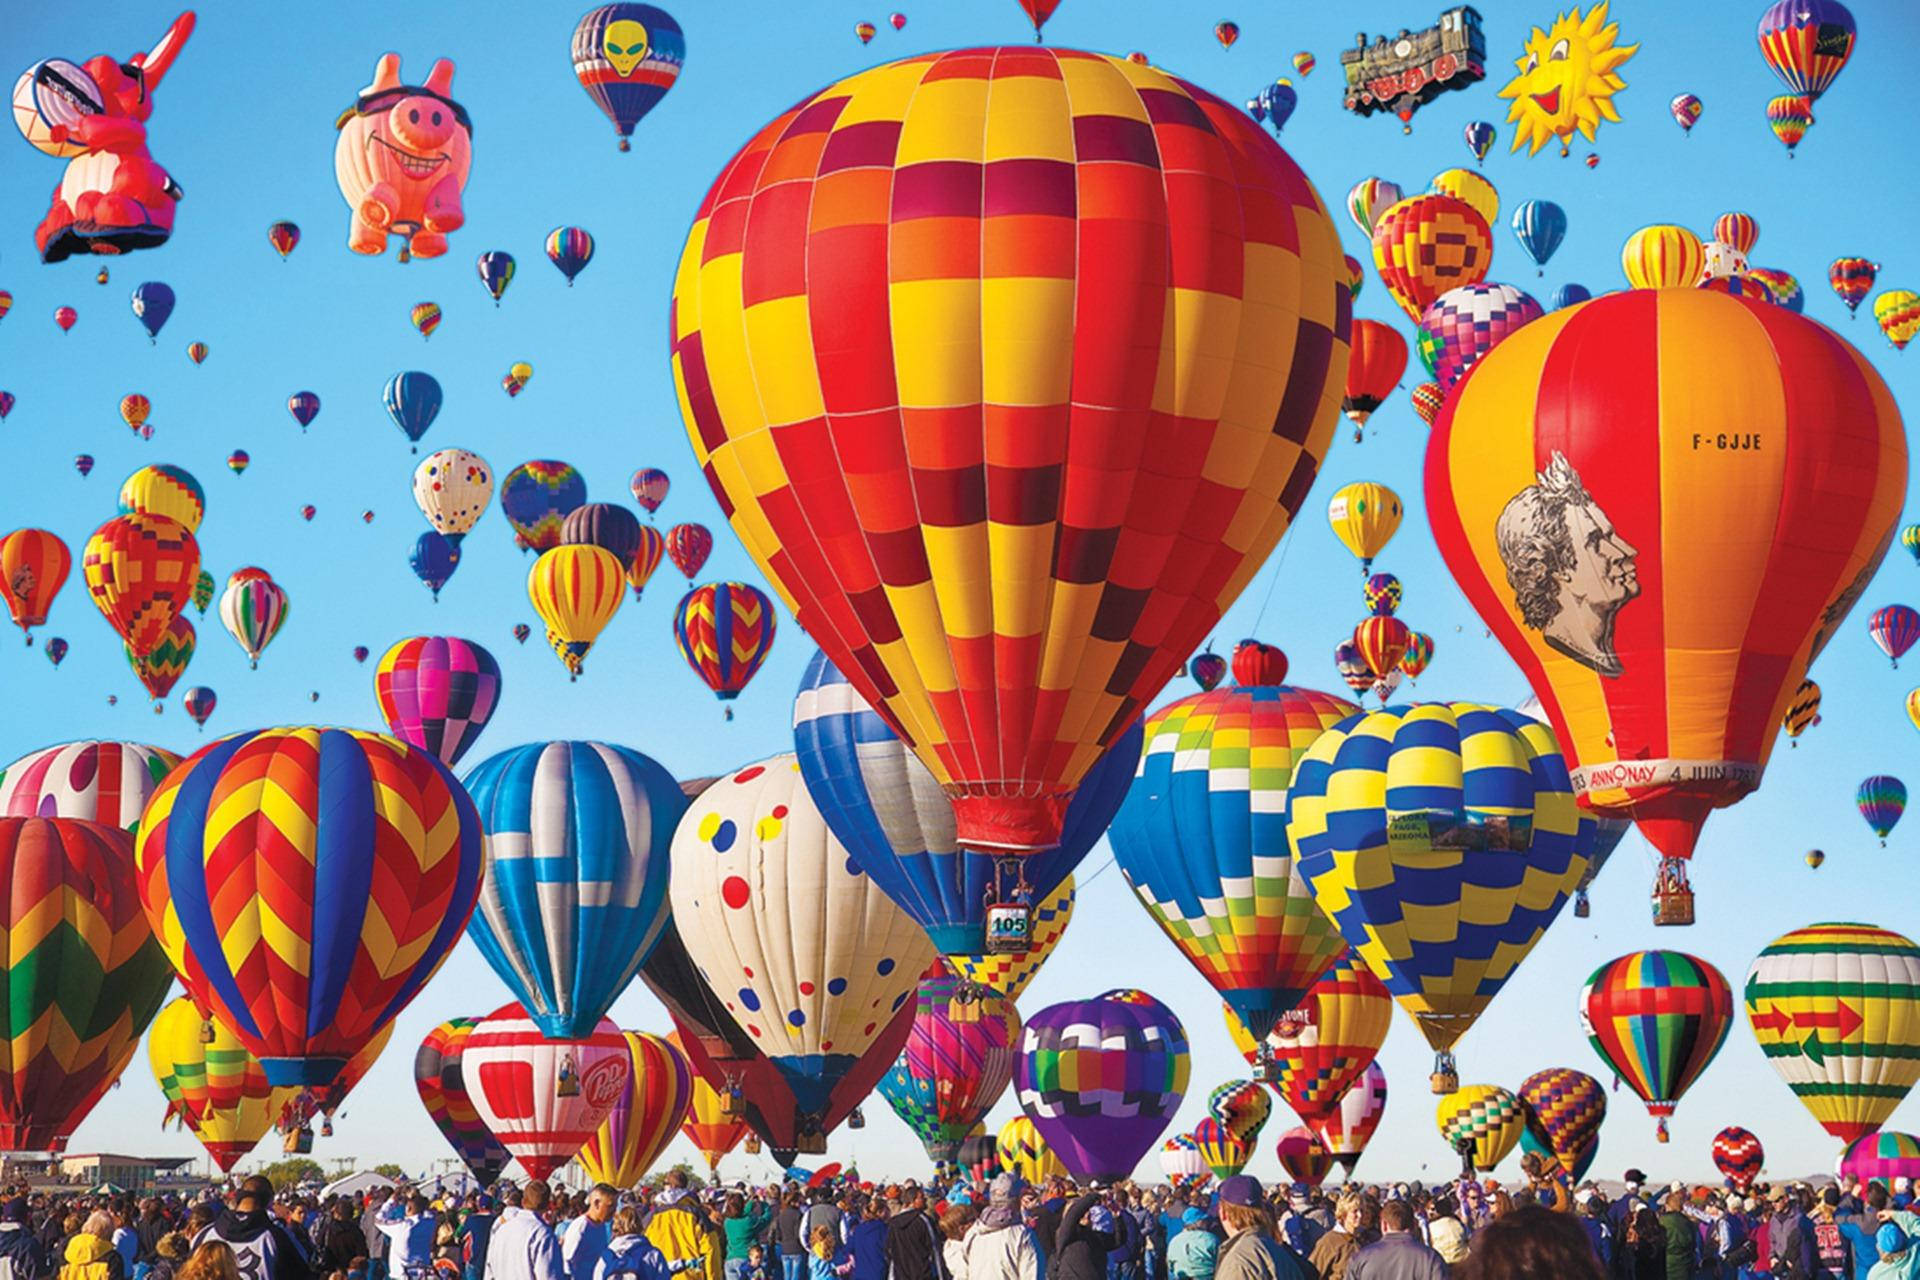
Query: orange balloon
<point x="33" y="567"/>
<point x="1428" y="244"/>
<point x="1379" y="359"/>
<point x="140" y="569"/>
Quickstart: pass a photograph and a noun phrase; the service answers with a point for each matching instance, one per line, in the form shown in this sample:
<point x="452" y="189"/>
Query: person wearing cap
<point x="1194" y="1249"/>
<point x="22" y="1257"/>
<point x="1398" y="1254"/>
<point x="1621" y="1211"/>
<point x="998" y="1245"/>
<point x="262" y="1246"/>
<point x="1789" y="1238"/>
<point x="1250" y="1251"/>
<point x="1897" y="1256"/>
<point x="1080" y="1241"/>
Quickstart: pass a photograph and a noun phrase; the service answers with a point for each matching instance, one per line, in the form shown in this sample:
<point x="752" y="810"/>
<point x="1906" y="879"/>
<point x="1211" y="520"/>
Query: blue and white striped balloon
<point x="896" y="822"/>
<point x="577" y="840"/>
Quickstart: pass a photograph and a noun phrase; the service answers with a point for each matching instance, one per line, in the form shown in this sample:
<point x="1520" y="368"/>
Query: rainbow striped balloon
<point x="644" y="1117"/>
<point x="442" y="1084"/>
<point x="1657" y="1018"/>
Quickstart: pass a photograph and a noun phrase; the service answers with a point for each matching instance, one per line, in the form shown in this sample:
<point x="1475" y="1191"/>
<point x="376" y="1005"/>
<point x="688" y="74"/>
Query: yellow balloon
<point x="1024" y="1152"/>
<point x="521" y="370"/>
<point x="1898" y="311"/>
<point x="216" y="1088"/>
<point x="1913" y="707"/>
<point x="165" y="491"/>
<point x="1465" y="184"/>
<point x="1663" y="256"/>
<point x="1485" y="1119"/>
<point x="1365" y="516"/>
<point x="1010" y="974"/>
<point x="576" y="590"/>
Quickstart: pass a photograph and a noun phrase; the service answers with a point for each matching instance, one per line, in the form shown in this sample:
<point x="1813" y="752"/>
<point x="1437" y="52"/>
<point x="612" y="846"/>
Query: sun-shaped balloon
<point x="1567" y="80"/>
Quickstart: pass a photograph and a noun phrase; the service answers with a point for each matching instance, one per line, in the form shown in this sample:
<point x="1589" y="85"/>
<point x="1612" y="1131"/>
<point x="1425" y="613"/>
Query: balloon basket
<point x="732" y="1105"/>
<point x="1672" y="895"/>
<point x="963" y="1008"/>
<point x="1660" y="1134"/>
<point x="1582" y="908"/>
<point x="752" y="1144"/>
<point x="1009" y="928"/>
<point x="856" y="1119"/>
<point x="809" y="1138"/>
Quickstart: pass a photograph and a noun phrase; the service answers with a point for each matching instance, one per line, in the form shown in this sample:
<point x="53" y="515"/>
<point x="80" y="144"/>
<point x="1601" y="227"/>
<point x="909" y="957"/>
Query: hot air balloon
<point x="1739" y="231"/>
<point x="1537" y="444"/>
<point x="1881" y="799"/>
<point x="33" y="567"/>
<point x="283" y="236"/>
<point x="1255" y="663"/>
<point x="1479" y="137"/>
<point x="1898" y="314"/>
<point x="1826" y="1002"/>
<point x="135" y="410"/>
<point x="516" y="378"/>
<point x="1464" y="324"/>
<point x="165" y="490"/>
<point x="199" y="702"/>
<point x="576" y="591"/>
<point x="960" y="710"/>
<point x="1657" y="1018"/>
<point x="496" y="272"/>
<point x="140" y="570"/>
<point x="1663" y="256"/>
<point x="1382" y="642"/>
<point x="1540" y="226"/>
<point x="82" y="973"/>
<point x="1806" y="43"/>
<point x="543" y="1098"/>
<point x="1428" y="399"/>
<point x="1224" y="1151"/>
<point x="1364" y="516"/>
<point x="1202" y="843"/>
<point x="83" y="463"/>
<point x="649" y="486"/>
<point x="1185" y="1169"/>
<point x="884" y="806"/>
<point x="724" y="630"/>
<point x="650" y="548"/>
<point x="1322" y="1047"/>
<point x="253" y="608"/>
<point x="425" y="317"/>
<point x="865" y="31"/>
<point x="1100" y="1079"/>
<point x="437" y="693"/>
<point x="1304" y="63"/>
<point x="218" y="1089"/>
<point x="1022" y="1152"/>
<point x="1356" y="274"/>
<point x="954" y="1068"/>
<point x="536" y="497"/>
<point x="433" y="559"/>
<point x="445" y="1093"/>
<point x="1815" y="859"/>
<point x="66" y="318"/>
<point x="688" y="546"/>
<point x="161" y="667"/>
<point x="1790" y="116"/>
<point x="1783" y="287"/>
<point x="570" y="249"/>
<point x="1483" y="1123"/>
<point x="1009" y="973"/>
<point x="1429" y="244"/>
<point x="1566" y="295"/>
<point x="1738" y="1155"/>
<point x="646" y="1115"/>
<point x="1277" y="102"/>
<point x="452" y="488"/>
<point x="56" y="649"/>
<point x="1852" y="280"/>
<point x="710" y="1126"/>
<point x="238" y="461"/>
<point x="1353" y="668"/>
<point x="304" y="406"/>
<point x="1894" y="628"/>
<point x="1207" y="669"/>
<point x="1302" y="1157"/>
<point x="1379" y="359"/>
<point x="152" y="304"/>
<point x="413" y="402"/>
<point x="1419" y="652"/>
<point x="361" y="915"/>
<point x="1685" y="110"/>
<point x="1473" y="188"/>
<point x="576" y="842"/>
<point x="1477" y="924"/>
<point x="1345" y="1131"/>
<point x="1368" y="199"/>
<point x="829" y="977"/>
<point x="1564" y="1109"/>
<point x="626" y="56"/>
<point x="1242" y="1106"/>
<point x="1226" y="33"/>
<point x="1881" y="1158"/>
<point x="6" y="404"/>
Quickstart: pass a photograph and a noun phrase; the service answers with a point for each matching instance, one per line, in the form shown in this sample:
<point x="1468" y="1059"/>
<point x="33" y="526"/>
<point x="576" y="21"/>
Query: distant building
<point x="1404" y="73"/>
<point x="129" y="1173"/>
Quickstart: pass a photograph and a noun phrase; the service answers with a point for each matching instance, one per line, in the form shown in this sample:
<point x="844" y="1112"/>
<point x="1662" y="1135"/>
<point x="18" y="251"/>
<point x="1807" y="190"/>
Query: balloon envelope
<point x="543" y="1098"/>
<point x="1101" y="1079"/>
<point x="444" y="1092"/>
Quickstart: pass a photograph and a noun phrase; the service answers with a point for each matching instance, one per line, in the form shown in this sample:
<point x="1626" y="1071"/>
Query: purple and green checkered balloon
<point x="1101" y="1079"/>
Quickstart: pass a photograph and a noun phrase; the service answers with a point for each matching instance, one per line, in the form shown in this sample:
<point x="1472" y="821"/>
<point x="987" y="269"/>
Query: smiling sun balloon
<point x="1567" y="80"/>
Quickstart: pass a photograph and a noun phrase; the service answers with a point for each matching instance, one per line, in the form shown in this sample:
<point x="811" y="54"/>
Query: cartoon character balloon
<point x="402" y="160"/>
<point x="626" y="57"/>
<point x="114" y="198"/>
<point x="1567" y="80"/>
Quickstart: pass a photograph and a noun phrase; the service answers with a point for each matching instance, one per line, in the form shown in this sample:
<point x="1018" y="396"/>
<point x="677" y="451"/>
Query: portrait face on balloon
<point x="1570" y="570"/>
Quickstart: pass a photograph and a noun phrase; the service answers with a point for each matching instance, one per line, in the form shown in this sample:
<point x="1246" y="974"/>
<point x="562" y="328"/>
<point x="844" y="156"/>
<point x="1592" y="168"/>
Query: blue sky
<point x="244" y="123"/>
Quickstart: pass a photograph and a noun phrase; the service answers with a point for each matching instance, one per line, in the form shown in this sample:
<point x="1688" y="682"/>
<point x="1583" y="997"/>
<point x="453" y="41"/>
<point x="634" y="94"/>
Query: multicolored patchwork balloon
<point x="1346" y="1129"/>
<point x="1101" y="1079"/>
<point x="1180" y="1160"/>
<point x="441" y="1080"/>
<point x="1243" y="1106"/>
<point x="1321" y="1049"/>
<point x="437" y="692"/>
<point x="1483" y="1122"/>
<point x="1657" y="1018"/>
<point x="1564" y="1109"/>
<point x="1010" y="973"/>
<point x="957" y="1062"/>
<point x="1464" y="324"/>
<point x="1302" y="1156"/>
<point x="536" y="497"/>
<point x="1881" y="1157"/>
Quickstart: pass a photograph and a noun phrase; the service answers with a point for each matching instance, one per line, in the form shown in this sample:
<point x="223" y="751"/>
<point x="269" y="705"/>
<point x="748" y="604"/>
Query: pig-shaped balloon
<point x="114" y="198"/>
<point x="402" y="161"/>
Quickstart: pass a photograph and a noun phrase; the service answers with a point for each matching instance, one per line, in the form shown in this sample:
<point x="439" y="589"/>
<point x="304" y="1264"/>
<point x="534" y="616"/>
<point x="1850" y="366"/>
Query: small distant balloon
<point x="1226" y="33"/>
<point x="55" y="649"/>
<point x="865" y="31"/>
<point x="426" y="317"/>
<point x="83" y="463"/>
<point x="1686" y="111"/>
<point x="199" y="702"/>
<point x="570" y="249"/>
<point x="197" y="352"/>
<point x="283" y="236"/>
<point x="65" y="317"/>
<point x="238" y="461"/>
<point x="1479" y="136"/>
<point x="521" y="631"/>
<point x="413" y="401"/>
<point x="6" y="404"/>
<point x="1303" y="64"/>
<point x="304" y="406"/>
<point x="152" y="304"/>
<point x="515" y="380"/>
<point x="898" y="21"/>
<point x="360" y="653"/>
<point x="496" y="272"/>
<point x="649" y="485"/>
<point x="308" y="512"/>
<point x="433" y="559"/>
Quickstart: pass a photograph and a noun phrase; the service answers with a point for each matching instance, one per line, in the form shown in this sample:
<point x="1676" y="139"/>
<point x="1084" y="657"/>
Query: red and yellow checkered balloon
<point x="1009" y="367"/>
<point x="1429" y="244"/>
<point x="140" y="570"/>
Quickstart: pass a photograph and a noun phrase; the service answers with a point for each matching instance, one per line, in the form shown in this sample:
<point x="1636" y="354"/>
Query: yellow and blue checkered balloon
<point x="1441" y="839"/>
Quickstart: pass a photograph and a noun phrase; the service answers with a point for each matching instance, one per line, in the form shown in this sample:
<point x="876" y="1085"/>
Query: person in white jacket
<point x="523" y="1246"/>
<point x="408" y="1224"/>
<point x="999" y="1246"/>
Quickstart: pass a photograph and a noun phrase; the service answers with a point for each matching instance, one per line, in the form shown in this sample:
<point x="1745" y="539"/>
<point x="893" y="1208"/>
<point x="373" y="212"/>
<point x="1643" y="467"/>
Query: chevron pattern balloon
<point x="305" y="935"/>
<point x="953" y="1068"/>
<point x="1180" y="1160"/>
<point x="438" y="1075"/>
<point x="1242" y="1106"/>
<point x="542" y="1098"/>
<point x="1223" y="1150"/>
<point x="107" y="782"/>
<point x="1021" y="1150"/>
<point x="1345" y="1130"/>
<point x="645" y="1117"/>
<point x="1483" y="1118"/>
<point x="724" y="630"/>
<point x="81" y="974"/>
<point x="576" y="842"/>
<point x="1738" y="1155"/>
<point x="1563" y="1110"/>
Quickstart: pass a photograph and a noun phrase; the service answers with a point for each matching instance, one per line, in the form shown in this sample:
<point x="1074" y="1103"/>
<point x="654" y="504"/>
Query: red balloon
<point x="1255" y="663"/>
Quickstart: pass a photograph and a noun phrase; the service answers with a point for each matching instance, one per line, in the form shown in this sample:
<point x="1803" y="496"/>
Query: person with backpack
<point x="629" y="1255"/>
<point x="999" y="1246"/>
<point x="22" y="1256"/>
<point x="1832" y="1255"/>
<point x="263" y="1248"/>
